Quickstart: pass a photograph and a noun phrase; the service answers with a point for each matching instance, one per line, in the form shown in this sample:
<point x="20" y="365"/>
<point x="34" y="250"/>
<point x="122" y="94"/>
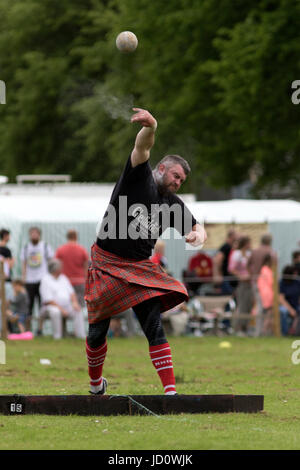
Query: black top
<point x="225" y="249"/>
<point x="138" y="214"/>
<point x="6" y="253"/>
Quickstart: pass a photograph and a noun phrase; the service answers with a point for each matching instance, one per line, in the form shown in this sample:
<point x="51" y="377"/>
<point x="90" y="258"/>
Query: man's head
<point x="18" y="285"/>
<point x="4" y="235"/>
<point x="55" y="267"/>
<point x="296" y="257"/>
<point x="72" y="235"/>
<point x="34" y="235"/>
<point x="266" y="239"/>
<point x="170" y="173"/>
<point x="232" y="236"/>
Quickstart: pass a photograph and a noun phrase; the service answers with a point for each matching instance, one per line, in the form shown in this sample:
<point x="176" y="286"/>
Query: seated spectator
<point x="289" y="295"/>
<point x="158" y="256"/>
<point x="266" y="293"/>
<point x="199" y="266"/>
<point x="18" y="307"/>
<point x="178" y="318"/>
<point x="59" y="301"/>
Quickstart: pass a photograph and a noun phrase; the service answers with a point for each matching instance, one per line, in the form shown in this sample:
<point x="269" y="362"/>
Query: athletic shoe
<point x="103" y="389"/>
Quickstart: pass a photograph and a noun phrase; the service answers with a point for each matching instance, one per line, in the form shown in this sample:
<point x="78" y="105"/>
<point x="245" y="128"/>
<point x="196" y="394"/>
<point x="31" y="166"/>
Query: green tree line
<point x="217" y="75"/>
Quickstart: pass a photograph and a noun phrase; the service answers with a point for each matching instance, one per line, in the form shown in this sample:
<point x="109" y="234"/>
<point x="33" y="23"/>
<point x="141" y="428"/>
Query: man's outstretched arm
<point x="145" y="138"/>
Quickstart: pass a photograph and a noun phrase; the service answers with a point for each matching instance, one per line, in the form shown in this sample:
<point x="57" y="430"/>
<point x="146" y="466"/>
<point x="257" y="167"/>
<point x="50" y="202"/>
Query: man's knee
<point x="97" y="333"/>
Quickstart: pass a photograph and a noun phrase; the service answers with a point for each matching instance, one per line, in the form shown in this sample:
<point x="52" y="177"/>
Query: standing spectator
<point x="221" y="261"/>
<point x="266" y="292"/>
<point x="238" y="266"/>
<point x="255" y="265"/>
<point x="74" y="258"/>
<point x="34" y="256"/>
<point x="289" y="295"/>
<point x="296" y="261"/>
<point x="6" y="254"/>
<point x="59" y="300"/>
<point x="18" y="306"/>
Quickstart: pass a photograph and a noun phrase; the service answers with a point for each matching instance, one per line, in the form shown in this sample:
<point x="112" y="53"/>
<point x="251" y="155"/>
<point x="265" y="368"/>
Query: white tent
<point x="247" y="211"/>
<point x="55" y="213"/>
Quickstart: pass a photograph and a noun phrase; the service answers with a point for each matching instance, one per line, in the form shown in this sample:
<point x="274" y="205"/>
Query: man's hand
<point x="197" y="236"/>
<point x="144" y="118"/>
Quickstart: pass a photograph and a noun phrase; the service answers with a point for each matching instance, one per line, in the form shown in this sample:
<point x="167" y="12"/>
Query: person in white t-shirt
<point x="34" y="256"/>
<point x="59" y="301"/>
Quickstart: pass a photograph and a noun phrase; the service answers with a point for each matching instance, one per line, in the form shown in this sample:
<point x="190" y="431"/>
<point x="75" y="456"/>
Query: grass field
<point x="250" y="366"/>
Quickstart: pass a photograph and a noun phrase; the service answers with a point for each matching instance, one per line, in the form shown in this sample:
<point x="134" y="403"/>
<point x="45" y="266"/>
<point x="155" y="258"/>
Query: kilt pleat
<point x="115" y="284"/>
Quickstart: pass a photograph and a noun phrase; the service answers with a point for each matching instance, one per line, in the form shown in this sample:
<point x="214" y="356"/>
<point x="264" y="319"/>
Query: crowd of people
<point x="54" y="282"/>
<point x="247" y="275"/>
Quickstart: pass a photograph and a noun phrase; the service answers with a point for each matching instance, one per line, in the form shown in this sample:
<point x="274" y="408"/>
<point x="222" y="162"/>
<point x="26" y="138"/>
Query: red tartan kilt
<point x="116" y="284"/>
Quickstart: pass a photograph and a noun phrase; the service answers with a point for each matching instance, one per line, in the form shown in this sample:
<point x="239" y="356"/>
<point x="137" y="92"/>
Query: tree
<point x="216" y="75"/>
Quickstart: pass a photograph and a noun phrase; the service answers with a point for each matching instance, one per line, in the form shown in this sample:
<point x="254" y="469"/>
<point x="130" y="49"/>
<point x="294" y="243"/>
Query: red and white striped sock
<point x="162" y="360"/>
<point x="96" y="358"/>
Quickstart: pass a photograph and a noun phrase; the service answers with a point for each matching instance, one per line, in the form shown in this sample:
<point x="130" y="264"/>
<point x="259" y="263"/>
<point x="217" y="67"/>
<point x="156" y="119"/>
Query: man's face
<point x="34" y="236"/>
<point x="171" y="178"/>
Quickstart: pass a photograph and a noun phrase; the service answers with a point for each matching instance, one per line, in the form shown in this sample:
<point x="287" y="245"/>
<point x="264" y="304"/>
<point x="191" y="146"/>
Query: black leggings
<point x="148" y="315"/>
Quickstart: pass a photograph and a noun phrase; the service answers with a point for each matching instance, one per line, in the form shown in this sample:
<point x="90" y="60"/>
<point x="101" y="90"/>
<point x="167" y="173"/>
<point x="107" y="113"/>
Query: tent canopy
<point x="246" y="211"/>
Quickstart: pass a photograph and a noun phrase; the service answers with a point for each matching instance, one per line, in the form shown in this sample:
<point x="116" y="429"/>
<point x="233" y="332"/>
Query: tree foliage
<point x="216" y="74"/>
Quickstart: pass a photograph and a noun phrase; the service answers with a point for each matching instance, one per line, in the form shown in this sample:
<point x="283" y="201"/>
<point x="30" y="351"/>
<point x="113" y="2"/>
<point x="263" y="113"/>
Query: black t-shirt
<point x="138" y="214"/>
<point x="6" y="253"/>
<point x="225" y="249"/>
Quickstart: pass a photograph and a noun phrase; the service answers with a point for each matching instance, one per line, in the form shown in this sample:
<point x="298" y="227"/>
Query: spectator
<point x="74" y="258"/>
<point x="59" y="301"/>
<point x="158" y="256"/>
<point x="289" y="294"/>
<point x="238" y="265"/>
<point x="199" y="266"/>
<point x="6" y="254"/>
<point x="34" y="256"/>
<point x="221" y="261"/>
<point x="296" y="261"/>
<point x="266" y="293"/>
<point x="18" y="306"/>
<point x="255" y="265"/>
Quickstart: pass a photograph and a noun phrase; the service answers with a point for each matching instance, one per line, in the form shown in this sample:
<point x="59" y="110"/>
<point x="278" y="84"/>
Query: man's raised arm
<point x="145" y="138"/>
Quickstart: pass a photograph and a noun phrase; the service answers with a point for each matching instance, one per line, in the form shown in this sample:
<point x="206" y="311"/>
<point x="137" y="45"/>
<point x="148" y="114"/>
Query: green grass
<point x="250" y="366"/>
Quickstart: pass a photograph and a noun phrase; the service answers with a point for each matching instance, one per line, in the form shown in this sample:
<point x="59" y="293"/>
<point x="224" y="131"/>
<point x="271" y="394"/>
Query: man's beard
<point x="164" y="189"/>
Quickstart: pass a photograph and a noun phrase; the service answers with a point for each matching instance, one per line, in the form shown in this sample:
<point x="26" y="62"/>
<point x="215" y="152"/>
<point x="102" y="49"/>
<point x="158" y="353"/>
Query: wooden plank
<point x="107" y="405"/>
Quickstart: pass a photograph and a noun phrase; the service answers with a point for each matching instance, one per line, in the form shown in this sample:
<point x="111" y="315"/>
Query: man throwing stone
<point x="143" y="204"/>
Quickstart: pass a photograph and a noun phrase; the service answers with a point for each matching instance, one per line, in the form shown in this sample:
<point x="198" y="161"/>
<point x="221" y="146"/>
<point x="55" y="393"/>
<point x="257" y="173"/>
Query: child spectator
<point x="266" y="292"/>
<point x="18" y="306"/>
